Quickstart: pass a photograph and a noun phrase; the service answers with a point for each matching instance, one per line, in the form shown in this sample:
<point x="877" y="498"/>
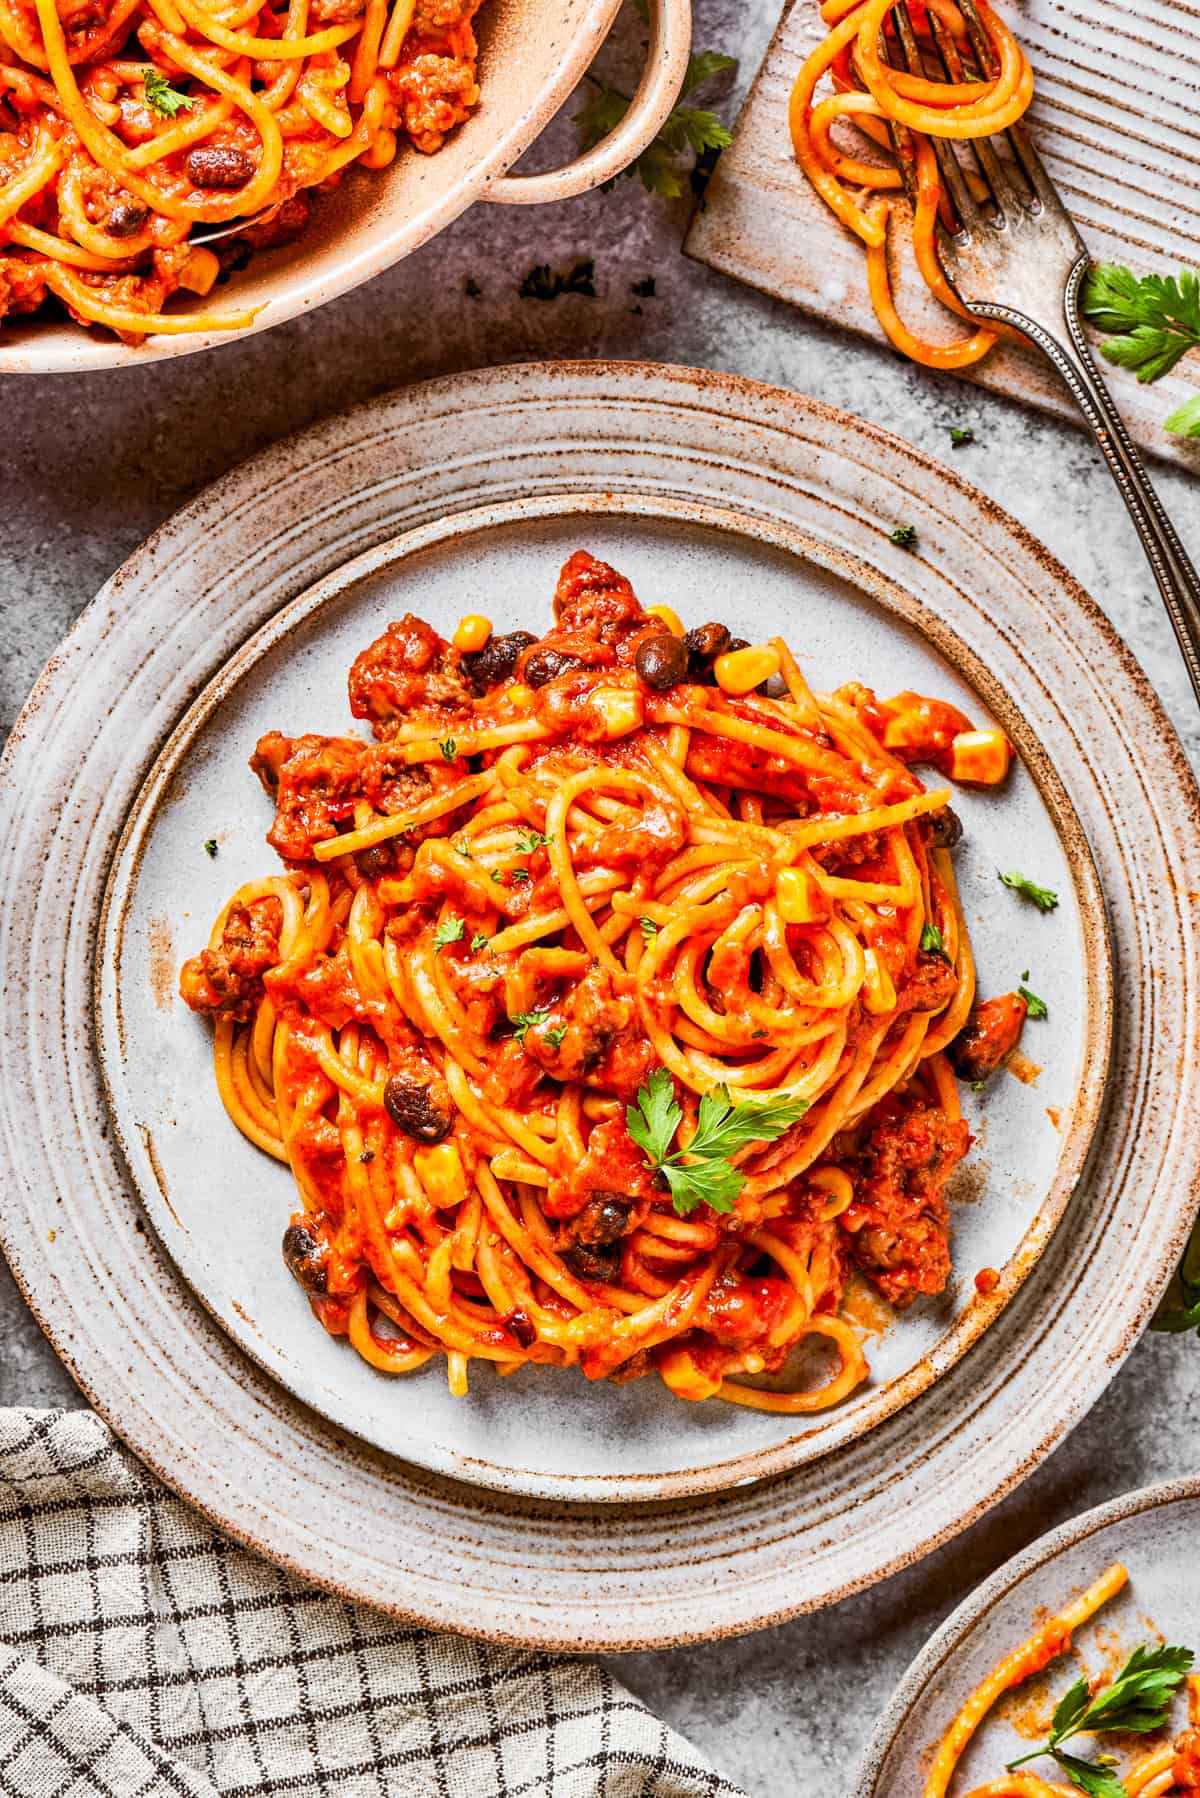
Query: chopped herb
<point x="367" y="1155"/>
<point x="210" y="847"/>
<point x="449" y="748"/>
<point x="546" y="283"/>
<point x="649" y="929"/>
<point x="645" y="288"/>
<point x="479" y="942"/>
<point x="977" y="1086"/>
<point x="960" y="437"/>
<point x="1154" y="320"/>
<point x="1185" y="420"/>
<point x="472" y="289"/>
<point x="1035" y="1008"/>
<point x="1173" y="1318"/>
<point x="904" y="536"/>
<point x="553" y="1038"/>
<point x="931" y="941"/>
<point x="687" y="130"/>
<point x="1137" y="1702"/>
<point x="532" y="840"/>
<point x="450" y="930"/>
<point x="527" y="1020"/>
<point x="703" y="1172"/>
<point x="520" y="874"/>
<point x="162" y="98"/>
<point x="497" y="876"/>
<point x="1042" y="897"/>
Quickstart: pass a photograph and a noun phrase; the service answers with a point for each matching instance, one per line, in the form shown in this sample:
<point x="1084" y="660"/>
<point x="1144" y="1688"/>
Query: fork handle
<point x="1177" y="579"/>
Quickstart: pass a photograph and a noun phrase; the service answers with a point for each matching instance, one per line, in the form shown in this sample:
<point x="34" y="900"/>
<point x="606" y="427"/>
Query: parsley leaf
<point x="1035" y="1008"/>
<point x="904" y="536"/>
<point x="1185" y="420"/>
<point x="931" y="941"/>
<point x="546" y="283"/>
<point x="1171" y="1319"/>
<point x="687" y="128"/>
<point x="527" y="1020"/>
<point x="210" y="848"/>
<point x="450" y="930"/>
<point x="703" y="1172"/>
<point x="449" y="748"/>
<point x="1137" y="1702"/>
<point x="520" y="874"/>
<point x="959" y="438"/>
<point x="162" y="98"/>
<point x="479" y="942"/>
<point x="649" y="929"/>
<point x="1155" y="319"/>
<point x="553" y="1038"/>
<point x="530" y="841"/>
<point x="1043" y="897"/>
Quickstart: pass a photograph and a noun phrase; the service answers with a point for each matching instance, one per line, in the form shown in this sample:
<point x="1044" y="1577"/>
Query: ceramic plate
<point x="980" y="603"/>
<point x="220" y="1206"/>
<point x="1153" y="1534"/>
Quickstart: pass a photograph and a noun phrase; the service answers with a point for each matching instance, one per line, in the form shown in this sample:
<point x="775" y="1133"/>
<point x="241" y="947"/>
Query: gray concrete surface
<point x="91" y="466"/>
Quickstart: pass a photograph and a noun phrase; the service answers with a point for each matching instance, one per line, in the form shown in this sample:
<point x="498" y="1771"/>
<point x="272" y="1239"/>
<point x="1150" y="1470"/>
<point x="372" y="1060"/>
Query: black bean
<point x="520" y="1325"/>
<point x="302" y="1255"/>
<point x="374" y="862"/>
<point x="604" y="1218"/>
<point x="126" y="216"/>
<point x="735" y="643"/>
<point x="946" y="828"/>
<point x="707" y="640"/>
<point x="218" y="165"/>
<point x="412" y="1109"/>
<point x="545" y="665"/>
<point x="661" y="661"/>
<point x="495" y="662"/>
<point x="593" y="1261"/>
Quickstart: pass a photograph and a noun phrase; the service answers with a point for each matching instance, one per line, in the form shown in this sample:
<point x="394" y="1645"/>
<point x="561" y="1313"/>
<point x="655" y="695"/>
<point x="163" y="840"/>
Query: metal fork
<point x="1018" y="258"/>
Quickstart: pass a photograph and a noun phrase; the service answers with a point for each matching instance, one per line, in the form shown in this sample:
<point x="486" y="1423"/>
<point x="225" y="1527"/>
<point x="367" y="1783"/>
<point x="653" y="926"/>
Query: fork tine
<point x="902" y="141"/>
<point x="990" y="165"/>
<point x="969" y="213"/>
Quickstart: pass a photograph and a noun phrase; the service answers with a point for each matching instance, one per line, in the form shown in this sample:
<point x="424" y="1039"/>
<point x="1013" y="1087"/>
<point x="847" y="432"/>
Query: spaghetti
<point x="900" y="112"/>
<point x="1172" y="1771"/>
<point x="125" y="124"/>
<point x="570" y="875"/>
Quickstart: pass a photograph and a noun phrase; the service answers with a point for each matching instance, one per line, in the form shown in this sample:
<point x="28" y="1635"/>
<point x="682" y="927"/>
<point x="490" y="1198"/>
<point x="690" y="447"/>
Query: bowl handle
<point x="657" y="93"/>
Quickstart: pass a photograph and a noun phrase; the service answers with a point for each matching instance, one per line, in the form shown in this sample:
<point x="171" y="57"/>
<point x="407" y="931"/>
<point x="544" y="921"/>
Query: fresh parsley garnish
<point x="649" y="929"/>
<point x="450" y="930"/>
<point x="1185" y="420"/>
<point x="1034" y="1007"/>
<point x="687" y="129"/>
<point x="530" y="841"/>
<point x="520" y="874"/>
<point x="960" y="437"/>
<point x="546" y="283"/>
<point x="1174" y="1318"/>
<point x="479" y="942"/>
<point x="527" y="1020"/>
<point x="498" y="876"/>
<point x="645" y="288"/>
<point x="1043" y="897"/>
<point x="703" y="1172"/>
<point x="1137" y="1702"/>
<point x="553" y="1038"/>
<point x="210" y="847"/>
<point x="904" y="536"/>
<point x="162" y="98"/>
<point x="449" y="748"/>
<point x="931" y="941"/>
<point x="1154" y="319"/>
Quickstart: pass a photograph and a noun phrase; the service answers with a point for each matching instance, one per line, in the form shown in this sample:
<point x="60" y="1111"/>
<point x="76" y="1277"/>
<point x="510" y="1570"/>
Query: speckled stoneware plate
<point x="220" y="1206"/>
<point x="1152" y="1533"/>
<point x="813" y="496"/>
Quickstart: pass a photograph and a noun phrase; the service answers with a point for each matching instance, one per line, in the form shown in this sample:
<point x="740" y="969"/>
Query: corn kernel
<point x="381" y="152"/>
<point x="440" y="1171"/>
<point x="619" y="709"/>
<point x="199" y="272"/>
<point x="837" y="1183"/>
<point x="666" y="616"/>
<point x="797" y="897"/>
<point x="879" y="992"/>
<point x="684" y="1378"/>
<point x="472" y="633"/>
<point x="980" y="757"/>
<point x="523" y="697"/>
<point x="741" y="670"/>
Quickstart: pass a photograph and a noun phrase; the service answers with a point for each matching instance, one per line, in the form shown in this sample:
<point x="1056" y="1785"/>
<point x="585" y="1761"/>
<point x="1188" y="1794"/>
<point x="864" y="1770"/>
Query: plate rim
<point x="772" y="430"/>
<point x="452" y="533"/>
<point x="979" y="1604"/>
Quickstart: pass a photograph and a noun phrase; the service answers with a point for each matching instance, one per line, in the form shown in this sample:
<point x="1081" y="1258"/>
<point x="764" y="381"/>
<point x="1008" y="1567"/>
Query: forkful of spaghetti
<point x="902" y="113"/>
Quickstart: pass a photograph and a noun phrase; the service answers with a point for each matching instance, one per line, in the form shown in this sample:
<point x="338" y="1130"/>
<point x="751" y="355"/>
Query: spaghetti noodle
<point x="125" y="124"/>
<point x="567" y="875"/>
<point x="881" y="101"/>
<point x="1172" y="1771"/>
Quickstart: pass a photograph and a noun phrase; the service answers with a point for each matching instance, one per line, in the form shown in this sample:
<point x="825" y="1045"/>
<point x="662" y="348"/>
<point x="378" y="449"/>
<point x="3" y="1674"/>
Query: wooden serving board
<point x="1116" y="117"/>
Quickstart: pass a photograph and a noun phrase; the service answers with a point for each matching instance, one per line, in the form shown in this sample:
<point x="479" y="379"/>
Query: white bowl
<point x="532" y="54"/>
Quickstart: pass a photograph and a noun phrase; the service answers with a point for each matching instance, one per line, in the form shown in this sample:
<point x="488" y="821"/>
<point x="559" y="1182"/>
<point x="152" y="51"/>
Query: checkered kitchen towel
<point x="143" y="1654"/>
